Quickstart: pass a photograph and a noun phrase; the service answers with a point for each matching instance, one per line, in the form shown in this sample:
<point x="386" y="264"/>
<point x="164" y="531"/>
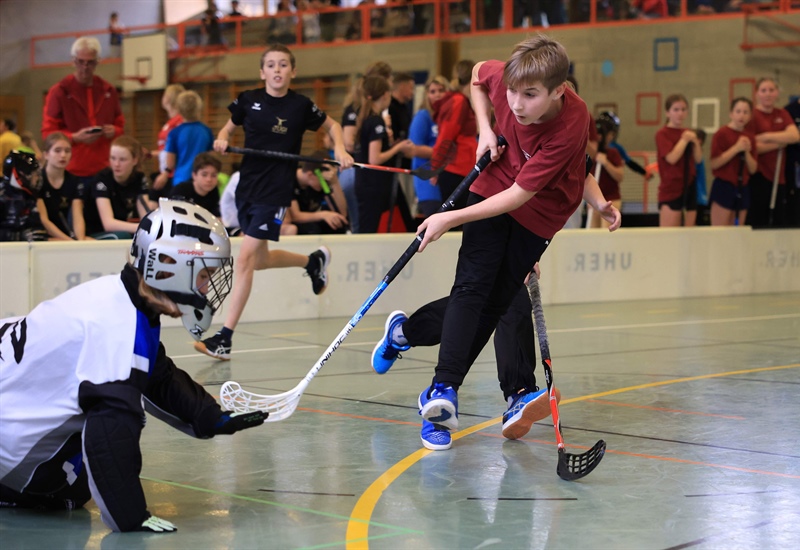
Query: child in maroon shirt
<point x="675" y="147"/>
<point x="515" y="208"/>
<point x="733" y="159"/>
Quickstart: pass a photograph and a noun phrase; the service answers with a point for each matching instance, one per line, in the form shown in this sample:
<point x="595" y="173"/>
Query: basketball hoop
<point x="141" y="79"/>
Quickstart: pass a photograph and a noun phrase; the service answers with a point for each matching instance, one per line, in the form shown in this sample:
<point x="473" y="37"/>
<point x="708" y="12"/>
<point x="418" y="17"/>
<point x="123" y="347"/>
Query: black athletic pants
<point x="760" y="196"/>
<point x="495" y="256"/>
<point x="513" y="339"/>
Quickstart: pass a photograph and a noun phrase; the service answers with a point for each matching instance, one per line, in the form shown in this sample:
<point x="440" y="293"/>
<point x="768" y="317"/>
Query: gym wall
<point x="580" y="266"/>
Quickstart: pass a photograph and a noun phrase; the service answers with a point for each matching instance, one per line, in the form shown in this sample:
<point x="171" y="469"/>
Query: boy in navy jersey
<point x="274" y="119"/>
<point x="515" y="207"/>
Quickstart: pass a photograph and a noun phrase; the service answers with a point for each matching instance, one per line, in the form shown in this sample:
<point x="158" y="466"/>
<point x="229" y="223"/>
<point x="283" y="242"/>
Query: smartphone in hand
<point x="95" y="130"/>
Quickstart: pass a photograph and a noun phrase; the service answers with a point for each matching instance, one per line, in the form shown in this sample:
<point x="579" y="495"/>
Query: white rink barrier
<point x="579" y="266"/>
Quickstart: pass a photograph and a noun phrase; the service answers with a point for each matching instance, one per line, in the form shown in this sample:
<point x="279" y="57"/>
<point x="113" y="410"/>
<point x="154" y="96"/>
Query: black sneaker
<point x="318" y="269"/>
<point x="216" y="346"/>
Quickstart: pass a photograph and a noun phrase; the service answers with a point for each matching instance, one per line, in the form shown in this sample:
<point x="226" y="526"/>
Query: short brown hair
<point x="129" y="143"/>
<point x="673" y="99"/>
<point x="277" y="48"/>
<point x="537" y="59"/>
<point x="205" y="159"/>
<point x="189" y="105"/>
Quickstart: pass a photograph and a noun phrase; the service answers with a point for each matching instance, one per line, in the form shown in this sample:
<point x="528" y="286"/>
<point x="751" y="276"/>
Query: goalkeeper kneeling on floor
<point x="78" y="372"/>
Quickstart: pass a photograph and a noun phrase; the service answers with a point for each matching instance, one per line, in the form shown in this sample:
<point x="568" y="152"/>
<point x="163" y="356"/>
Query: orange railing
<point x="397" y="22"/>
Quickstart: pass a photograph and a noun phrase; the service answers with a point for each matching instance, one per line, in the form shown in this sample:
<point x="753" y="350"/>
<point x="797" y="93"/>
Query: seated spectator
<point x="119" y="193"/>
<point x="60" y="201"/>
<point x="186" y="141"/>
<point x="202" y="188"/>
<point x="316" y="210"/>
<point x="235" y="9"/>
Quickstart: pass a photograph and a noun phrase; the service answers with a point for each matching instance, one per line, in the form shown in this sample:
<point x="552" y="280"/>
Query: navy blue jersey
<point x="272" y="124"/>
<point x="58" y="202"/>
<point x="123" y="196"/>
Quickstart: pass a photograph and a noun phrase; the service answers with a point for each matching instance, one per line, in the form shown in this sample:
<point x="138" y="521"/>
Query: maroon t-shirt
<point x="724" y="139"/>
<point x="547" y="158"/>
<point x="672" y="175"/>
<point x="776" y="121"/>
<point x="608" y="185"/>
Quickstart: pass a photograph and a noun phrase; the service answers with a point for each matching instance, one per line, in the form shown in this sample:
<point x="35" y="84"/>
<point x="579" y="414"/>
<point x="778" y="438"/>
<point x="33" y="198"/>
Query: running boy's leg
<point x="260" y="224"/>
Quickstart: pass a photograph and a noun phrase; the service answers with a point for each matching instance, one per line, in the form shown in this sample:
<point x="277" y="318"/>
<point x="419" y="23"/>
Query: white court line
<point x="678" y="323"/>
<point x="549" y="331"/>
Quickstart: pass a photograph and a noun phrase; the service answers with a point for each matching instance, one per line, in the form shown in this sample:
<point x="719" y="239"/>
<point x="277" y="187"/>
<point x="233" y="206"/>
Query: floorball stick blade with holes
<point x="570" y="466"/>
<point x="425" y="172"/>
<point x="281" y="406"/>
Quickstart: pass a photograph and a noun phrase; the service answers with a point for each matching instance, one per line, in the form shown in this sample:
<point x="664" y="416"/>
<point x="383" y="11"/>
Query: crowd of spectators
<point x="92" y="182"/>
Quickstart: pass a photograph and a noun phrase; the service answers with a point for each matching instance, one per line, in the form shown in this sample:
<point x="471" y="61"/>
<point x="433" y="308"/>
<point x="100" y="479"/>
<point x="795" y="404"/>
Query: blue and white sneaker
<point x="434" y="438"/>
<point x="526" y="408"/>
<point x="387" y="351"/>
<point x="439" y="406"/>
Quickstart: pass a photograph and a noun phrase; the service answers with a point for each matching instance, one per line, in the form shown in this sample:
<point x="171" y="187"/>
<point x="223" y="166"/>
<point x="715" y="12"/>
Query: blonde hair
<point x="189" y="105"/>
<point x="86" y="43"/>
<point x="441" y="81"/>
<point x="538" y="59"/>
<point x="171" y="94"/>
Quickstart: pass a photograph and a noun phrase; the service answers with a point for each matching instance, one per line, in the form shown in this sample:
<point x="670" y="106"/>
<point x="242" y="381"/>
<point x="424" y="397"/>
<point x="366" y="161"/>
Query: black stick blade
<point x="572" y="467"/>
<point x="426" y="172"/>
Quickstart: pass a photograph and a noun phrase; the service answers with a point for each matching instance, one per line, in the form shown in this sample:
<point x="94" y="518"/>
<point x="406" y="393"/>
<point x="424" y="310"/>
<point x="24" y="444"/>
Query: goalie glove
<point x="157" y="525"/>
<point x="230" y="423"/>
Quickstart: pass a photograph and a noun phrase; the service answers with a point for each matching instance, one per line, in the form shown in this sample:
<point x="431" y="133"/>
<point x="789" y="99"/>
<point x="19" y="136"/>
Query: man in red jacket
<point x="86" y="108"/>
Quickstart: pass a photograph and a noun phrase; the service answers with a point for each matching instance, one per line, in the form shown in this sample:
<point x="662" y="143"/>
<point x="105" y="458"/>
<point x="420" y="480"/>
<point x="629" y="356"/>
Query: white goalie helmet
<point x="183" y="250"/>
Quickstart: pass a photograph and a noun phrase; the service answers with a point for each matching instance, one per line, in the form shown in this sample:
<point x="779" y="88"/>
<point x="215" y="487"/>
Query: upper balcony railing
<point x="403" y="20"/>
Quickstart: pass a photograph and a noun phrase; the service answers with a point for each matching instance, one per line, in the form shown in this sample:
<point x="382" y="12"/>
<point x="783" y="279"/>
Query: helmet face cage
<point x="182" y="250"/>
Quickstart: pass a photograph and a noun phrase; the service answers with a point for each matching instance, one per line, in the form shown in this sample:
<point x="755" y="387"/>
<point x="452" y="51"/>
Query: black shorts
<point x="690" y="193"/>
<point x="260" y="221"/>
<point x="725" y="194"/>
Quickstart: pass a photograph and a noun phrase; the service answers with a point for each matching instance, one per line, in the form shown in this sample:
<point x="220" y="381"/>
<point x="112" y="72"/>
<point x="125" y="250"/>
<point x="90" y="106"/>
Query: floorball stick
<point x="775" y="179"/>
<point x="281" y="406"/>
<point x="425" y="172"/>
<point x="570" y="466"/>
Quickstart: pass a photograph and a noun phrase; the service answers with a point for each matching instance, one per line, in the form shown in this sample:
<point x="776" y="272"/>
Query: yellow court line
<point x="357" y="537"/>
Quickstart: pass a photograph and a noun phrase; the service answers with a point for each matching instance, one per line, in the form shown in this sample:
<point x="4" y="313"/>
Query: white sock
<point x="398" y="337"/>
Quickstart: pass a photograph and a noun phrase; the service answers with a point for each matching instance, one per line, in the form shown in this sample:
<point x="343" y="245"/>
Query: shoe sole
<point x="386" y="326"/>
<point x="536" y="410"/>
<point x="434" y="447"/>
<point x="327" y="253"/>
<point x="440" y="412"/>
<point x="201" y="347"/>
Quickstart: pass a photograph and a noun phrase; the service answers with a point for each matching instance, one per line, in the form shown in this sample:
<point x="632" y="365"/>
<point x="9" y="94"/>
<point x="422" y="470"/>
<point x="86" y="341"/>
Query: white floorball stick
<point x="281" y="406"/>
<point x="775" y="179"/>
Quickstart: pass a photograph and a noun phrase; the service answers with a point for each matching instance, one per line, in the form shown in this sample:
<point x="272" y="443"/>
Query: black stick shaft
<point x="481" y="165"/>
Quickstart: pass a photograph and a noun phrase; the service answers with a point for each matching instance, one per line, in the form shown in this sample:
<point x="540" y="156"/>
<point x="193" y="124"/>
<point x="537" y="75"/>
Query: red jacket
<point x="458" y="133"/>
<point x="70" y="107"/>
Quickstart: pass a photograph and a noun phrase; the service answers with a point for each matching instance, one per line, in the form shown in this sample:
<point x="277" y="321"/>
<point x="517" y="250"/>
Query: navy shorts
<point x="691" y="200"/>
<point x="725" y="194"/>
<point x="260" y="221"/>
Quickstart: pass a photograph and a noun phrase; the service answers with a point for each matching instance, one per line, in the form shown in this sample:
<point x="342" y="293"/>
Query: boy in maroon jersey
<point x="514" y="209"/>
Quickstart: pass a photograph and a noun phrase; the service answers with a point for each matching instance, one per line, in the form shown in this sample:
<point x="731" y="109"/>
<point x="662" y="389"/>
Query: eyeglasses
<point x="86" y="62"/>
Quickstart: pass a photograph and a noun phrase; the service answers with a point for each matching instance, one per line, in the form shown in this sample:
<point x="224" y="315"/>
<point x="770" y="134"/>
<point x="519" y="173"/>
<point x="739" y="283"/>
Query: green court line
<point x="399" y="530"/>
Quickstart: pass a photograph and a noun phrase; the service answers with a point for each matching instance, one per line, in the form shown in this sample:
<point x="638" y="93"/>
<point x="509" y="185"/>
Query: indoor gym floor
<point x="696" y="398"/>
